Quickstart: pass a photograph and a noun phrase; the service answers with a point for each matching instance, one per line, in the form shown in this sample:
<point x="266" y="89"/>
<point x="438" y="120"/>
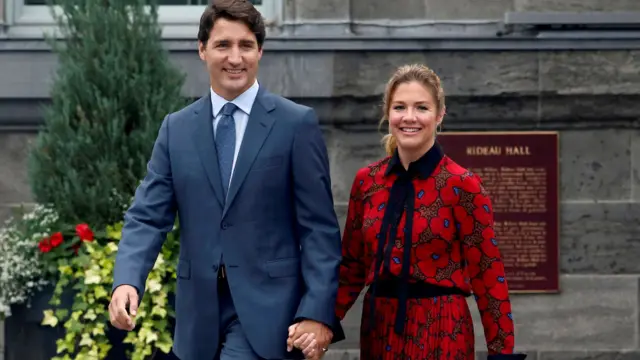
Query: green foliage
<point x="90" y="276"/>
<point x="113" y="87"/>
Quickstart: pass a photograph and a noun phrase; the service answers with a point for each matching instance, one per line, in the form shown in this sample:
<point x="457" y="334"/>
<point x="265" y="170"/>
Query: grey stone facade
<point x="336" y="56"/>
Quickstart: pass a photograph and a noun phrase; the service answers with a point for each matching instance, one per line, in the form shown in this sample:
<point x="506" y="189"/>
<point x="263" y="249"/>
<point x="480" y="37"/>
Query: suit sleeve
<point x="353" y="265"/>
<point x="317" y="225"/>
<point x="474" y="213"/>
<point x="148" y="220"/>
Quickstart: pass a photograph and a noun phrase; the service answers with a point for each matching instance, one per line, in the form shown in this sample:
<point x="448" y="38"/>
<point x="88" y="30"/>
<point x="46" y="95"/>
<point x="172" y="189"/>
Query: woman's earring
<point x="439" y="128"/>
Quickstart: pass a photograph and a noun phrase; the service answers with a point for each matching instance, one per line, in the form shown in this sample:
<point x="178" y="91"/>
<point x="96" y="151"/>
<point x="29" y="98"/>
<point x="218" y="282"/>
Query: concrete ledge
<point x="611" y="18"/>
<point x="444" y="35"/>
<point x="474" y="113"/>
<point x="577" y="6"/>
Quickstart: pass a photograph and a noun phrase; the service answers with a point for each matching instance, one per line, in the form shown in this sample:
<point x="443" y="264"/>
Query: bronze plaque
<point x="520" y="172"/>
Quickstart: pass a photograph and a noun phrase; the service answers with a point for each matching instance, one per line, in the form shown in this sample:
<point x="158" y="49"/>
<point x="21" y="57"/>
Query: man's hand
<point x="312" y="337"/>
<point x="124" y="296"/>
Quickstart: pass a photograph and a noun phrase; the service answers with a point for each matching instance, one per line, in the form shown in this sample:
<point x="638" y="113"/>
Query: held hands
<point x="124" y="296"/>
<point x="312" y="337"/>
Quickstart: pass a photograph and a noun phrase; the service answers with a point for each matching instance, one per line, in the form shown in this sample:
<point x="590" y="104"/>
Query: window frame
<point x="177" y="21"/>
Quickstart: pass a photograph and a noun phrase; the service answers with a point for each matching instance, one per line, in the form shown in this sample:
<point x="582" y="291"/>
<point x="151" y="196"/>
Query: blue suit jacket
<point x="277" y="229"/>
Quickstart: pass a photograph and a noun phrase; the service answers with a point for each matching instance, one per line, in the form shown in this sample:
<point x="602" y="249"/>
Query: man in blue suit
<point x="247" y="173"/>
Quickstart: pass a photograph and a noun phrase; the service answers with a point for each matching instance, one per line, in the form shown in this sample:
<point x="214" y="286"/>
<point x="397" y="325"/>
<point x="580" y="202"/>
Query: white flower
<point x="21" y="272"/>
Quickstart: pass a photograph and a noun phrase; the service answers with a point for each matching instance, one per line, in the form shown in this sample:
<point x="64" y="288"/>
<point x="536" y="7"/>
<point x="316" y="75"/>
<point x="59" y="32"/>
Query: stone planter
<point x="25" y="338"/>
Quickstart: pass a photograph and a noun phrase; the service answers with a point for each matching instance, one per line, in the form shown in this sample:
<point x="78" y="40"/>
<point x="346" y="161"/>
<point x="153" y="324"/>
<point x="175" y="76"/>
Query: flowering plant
<point x="90" y="275"/>
<point x="36" y="250"/>
<point x="22" y="270"/>
<point x="58" y="247"/>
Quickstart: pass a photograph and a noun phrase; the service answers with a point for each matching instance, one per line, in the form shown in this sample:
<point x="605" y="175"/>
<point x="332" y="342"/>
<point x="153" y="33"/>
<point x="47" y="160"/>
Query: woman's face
<point x="414" y="117"/>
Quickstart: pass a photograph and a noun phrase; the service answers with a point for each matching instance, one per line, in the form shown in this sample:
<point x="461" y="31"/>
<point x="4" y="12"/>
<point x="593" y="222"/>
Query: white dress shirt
<point x="244" y="102"/>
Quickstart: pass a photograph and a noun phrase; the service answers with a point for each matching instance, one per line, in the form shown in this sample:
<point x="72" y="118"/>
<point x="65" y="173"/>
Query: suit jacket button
<point x="225" y="226"/>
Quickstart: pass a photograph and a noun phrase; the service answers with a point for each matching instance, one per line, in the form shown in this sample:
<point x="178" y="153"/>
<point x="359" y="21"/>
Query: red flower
<point x="427" y="193"/>
<point x="45" y="245"/>
<point x="455" y="169"/>
<point x="482" y="302"/>
<point x="505" y="308"/>
<point x="497" y="286"/>
<point x="443" y="225"/>
<point x="491" y="328"/>
<point x="508" y="341"/>
<point x="464" y="220"/>
<point x="56" y="239"/>
<point x="483" y="210"/>
<point x="489" y="245"/>
<point x="490" y="277"/>
<point x="471" y="184"/>
<point x="432" y="256"/>
<point x="457" y="277"/>
<point x="452" y="191"/>
<point x="478" y="287"/>
<point x="473" y="256"/>
<point x="84" y="232"/>
<point x="505" y="321"/>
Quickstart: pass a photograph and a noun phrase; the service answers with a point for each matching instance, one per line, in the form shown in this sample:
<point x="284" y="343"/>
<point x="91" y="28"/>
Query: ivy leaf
<point x="62" y="313"/>
<point x="49" y="319"/>
<point x="114" y="232"/>
<point x="90" y="315"/>
<point x="100" y="292"/>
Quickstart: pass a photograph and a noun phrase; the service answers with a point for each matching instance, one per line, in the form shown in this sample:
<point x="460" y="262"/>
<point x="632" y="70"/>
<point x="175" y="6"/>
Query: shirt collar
<point x="244" y="101"/>
<point x="422" y="167"/>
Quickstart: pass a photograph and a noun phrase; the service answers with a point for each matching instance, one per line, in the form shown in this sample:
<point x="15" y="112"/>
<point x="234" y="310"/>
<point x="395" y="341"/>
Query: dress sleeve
<point x="485" y="269"/>
<point x="353" y="266"/>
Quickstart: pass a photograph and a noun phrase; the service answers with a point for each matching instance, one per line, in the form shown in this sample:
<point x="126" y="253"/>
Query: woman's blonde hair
<point x="404" y="74"/>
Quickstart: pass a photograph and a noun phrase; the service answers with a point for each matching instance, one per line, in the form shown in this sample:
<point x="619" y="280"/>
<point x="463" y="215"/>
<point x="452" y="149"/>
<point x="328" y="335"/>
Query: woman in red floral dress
<point x="419" y="232"/>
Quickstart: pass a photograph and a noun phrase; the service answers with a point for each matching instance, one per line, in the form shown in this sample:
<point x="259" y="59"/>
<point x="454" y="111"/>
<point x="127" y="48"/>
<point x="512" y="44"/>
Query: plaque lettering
<point x="484" y="150"/>
<point x="517" y="150"/>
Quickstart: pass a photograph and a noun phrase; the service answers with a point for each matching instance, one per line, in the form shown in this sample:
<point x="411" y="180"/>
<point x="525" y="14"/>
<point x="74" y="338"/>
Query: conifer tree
<point x="113" y="87"/>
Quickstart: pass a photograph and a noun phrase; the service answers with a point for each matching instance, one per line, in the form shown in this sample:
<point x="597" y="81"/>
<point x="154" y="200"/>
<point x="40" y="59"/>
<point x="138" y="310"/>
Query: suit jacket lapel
<point x="203" y="138"/>
<point x="258" y="128"/>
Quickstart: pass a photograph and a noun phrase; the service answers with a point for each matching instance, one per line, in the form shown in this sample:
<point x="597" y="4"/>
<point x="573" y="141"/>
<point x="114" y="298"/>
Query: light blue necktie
<point x="226" y="143"/>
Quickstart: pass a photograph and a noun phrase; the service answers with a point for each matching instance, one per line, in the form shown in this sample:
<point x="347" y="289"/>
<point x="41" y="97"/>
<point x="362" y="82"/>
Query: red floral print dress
<point x="440" y="221"/>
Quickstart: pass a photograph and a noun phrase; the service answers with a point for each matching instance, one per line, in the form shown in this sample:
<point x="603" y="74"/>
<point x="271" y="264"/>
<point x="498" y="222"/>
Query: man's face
<point x="232" y="56"/>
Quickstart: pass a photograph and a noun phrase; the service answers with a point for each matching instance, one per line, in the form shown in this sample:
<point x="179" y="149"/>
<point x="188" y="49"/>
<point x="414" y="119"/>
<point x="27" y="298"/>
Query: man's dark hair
<point x="234" y="10"/>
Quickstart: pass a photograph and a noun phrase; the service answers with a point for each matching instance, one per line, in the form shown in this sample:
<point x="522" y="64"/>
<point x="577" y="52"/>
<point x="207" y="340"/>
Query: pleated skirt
<point x="438" y="328"/>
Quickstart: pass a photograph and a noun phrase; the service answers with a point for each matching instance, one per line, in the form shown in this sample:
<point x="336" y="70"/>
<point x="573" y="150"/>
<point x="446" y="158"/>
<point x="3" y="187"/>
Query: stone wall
<point x="591" y="96"/>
